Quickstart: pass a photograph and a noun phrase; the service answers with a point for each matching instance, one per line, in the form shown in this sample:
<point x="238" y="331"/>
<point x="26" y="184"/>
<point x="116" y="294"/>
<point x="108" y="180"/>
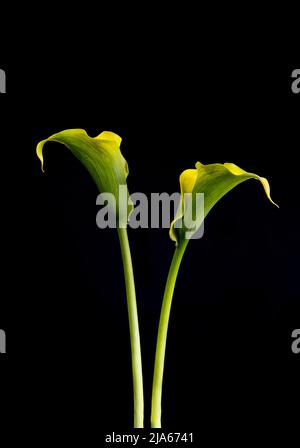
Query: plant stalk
<point x="162" y="336"/>
<point x="136" y="358"/>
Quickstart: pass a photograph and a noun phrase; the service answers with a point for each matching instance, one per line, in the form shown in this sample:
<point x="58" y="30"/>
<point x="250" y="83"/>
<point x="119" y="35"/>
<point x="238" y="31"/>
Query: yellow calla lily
<point x="214" y="181"/>
<point x="101" y="156"/>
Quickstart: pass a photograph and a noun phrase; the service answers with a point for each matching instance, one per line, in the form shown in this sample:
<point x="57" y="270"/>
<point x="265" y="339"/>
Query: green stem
<point x="162" y="336"/>
<point x="136" y="358"/>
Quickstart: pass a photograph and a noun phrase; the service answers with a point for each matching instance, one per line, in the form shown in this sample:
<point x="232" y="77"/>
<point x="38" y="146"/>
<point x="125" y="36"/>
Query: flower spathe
<point x="100" y="155"/>
<point x="214" y="181"/>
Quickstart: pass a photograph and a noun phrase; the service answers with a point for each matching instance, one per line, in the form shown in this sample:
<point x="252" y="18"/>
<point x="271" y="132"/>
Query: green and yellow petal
<point x="214" y="181"/>
<point x="100" y="155"/>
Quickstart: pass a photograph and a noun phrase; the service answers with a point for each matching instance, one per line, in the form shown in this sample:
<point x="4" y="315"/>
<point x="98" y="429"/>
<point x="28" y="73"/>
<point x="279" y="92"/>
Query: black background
<point x="230" y="372"/>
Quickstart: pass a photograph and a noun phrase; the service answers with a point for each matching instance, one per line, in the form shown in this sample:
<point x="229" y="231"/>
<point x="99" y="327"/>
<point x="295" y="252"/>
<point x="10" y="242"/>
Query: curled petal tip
<point x="266" y="186"/>
<point x="39" y="152"/>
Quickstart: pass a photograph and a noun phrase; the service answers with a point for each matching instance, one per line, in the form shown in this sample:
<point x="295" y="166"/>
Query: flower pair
<point x="104" y="161"/>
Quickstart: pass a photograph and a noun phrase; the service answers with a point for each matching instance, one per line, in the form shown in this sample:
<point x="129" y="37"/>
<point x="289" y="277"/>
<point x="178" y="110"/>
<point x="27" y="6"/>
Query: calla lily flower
<point x="101" y="156"/>
<point x="214" y="181"/>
